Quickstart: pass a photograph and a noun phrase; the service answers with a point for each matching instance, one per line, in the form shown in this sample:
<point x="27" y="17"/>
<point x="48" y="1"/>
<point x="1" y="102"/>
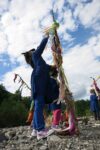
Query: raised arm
<point x="96" y="87"/>
<point x="38" y="52"/>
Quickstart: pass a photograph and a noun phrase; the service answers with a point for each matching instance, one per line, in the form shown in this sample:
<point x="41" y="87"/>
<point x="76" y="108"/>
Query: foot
<point x="34" y="133"/>
<point x="44" y="133"/>
<point x="56" y="127"/>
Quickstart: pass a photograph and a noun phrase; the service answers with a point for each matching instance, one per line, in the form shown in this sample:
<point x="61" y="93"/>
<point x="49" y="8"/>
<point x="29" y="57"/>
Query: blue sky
<point x="21" y="28"/>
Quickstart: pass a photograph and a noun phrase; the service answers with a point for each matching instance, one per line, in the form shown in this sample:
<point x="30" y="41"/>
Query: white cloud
<point x="3" y="42"/>
<point x="68" y="20"/>
<point x="58" y="6"/>
<point x="94" y="41"/>
<point x="80" y="64"/>
<point x="86" y="12"/>
<point x="24" y="72"/>
<point x="21" y="25"/>
<point x="89" y="14"/>
<point x="3" y="6"/>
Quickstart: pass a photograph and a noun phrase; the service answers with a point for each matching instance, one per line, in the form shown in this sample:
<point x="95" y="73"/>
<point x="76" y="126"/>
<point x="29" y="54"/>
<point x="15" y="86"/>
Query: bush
<point x="12" y="113"/>
<point x="82" y="108"/>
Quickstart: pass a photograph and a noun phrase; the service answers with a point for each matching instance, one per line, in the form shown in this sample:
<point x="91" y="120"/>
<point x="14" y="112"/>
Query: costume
<point x="39" y="80"/>
<point x="94" y="105"/>
<point x="41" y="83"/>
<point x="56" y="111"/>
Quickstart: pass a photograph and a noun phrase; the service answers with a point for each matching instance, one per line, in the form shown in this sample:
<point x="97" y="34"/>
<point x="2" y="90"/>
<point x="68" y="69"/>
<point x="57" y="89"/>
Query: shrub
<point x="12" y="113"/>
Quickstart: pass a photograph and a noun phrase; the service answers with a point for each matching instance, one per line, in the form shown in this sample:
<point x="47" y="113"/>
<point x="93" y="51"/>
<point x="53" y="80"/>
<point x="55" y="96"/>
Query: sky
<point x="22" y="23"/>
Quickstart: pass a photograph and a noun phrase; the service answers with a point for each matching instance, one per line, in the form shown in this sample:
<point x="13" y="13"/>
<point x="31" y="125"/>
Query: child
<point x="94" y="104"/>
<point x="97" y="89"/>
<point x="39" y="83"/>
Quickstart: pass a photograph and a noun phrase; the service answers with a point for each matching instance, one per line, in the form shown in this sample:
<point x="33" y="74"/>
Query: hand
<point x="94" y="82"/>
<point x="54" y="66"/>
<point x="47" y="34"/>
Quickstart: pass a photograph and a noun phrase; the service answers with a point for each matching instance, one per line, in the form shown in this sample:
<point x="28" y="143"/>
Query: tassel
<point x="15" y="77"/>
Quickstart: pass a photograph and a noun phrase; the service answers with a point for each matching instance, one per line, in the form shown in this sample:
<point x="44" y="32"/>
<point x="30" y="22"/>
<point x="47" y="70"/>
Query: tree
<point x="13" y="112"/>
<point x="3" y="93"/>
<point x="82" y="107"/>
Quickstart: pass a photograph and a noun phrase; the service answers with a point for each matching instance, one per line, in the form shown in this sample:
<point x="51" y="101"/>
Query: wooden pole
<point x="65" y="93"/>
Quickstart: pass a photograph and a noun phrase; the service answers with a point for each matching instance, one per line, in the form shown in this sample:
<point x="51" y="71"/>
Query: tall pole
<point x="65" y="93"/>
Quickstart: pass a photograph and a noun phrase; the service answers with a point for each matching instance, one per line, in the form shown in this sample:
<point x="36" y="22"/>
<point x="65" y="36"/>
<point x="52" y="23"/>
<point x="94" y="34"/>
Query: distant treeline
<point x="14" y="108"/>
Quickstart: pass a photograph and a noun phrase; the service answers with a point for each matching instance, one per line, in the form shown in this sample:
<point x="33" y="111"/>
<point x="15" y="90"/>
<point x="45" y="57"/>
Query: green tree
<point x="3" y="93"/>
<point x="13" y="111"/>
<point x="82" y="107"/>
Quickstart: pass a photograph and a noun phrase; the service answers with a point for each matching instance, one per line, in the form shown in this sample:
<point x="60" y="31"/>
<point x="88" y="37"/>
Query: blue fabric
<point x="38" y="118"/>
<point x="54" y="106"/>
<point x="94" y="106"/>
<point x="41" y="82"/>
<point x="52" y="90"/>
<point x="40" y="74"/>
